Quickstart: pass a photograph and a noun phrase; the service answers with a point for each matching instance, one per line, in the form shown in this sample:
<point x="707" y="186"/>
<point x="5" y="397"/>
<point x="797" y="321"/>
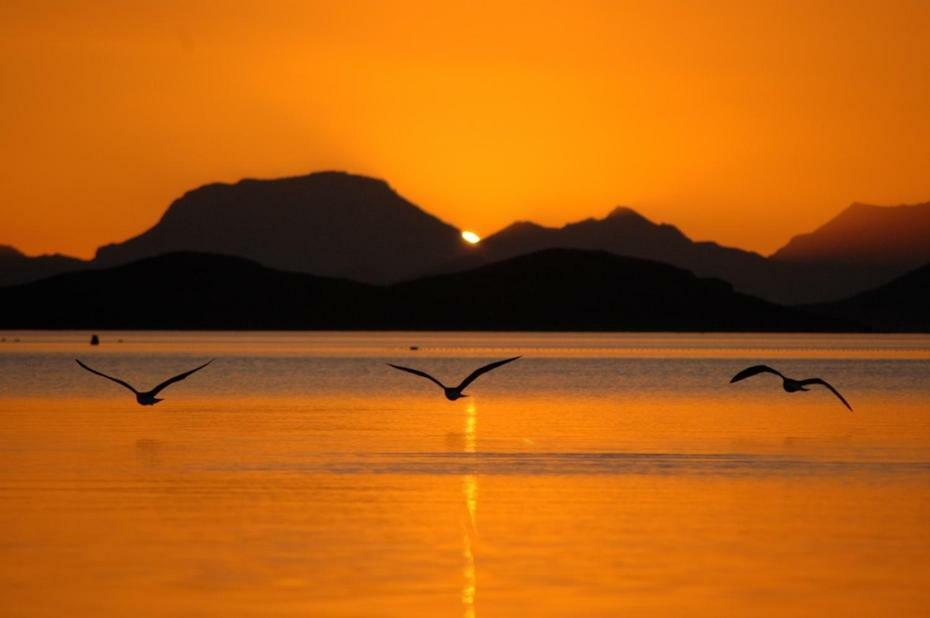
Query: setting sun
<point x="471" y="238"/>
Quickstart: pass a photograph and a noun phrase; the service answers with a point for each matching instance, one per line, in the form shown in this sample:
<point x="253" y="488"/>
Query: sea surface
<point x="599" y="475"/>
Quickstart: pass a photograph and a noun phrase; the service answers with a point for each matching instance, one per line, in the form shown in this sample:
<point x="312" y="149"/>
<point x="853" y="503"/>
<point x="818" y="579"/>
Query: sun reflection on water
<point x="469" y="528"/>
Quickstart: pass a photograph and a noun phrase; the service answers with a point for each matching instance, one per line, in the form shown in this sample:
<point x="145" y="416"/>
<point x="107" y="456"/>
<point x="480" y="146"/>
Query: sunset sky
<point x="740" y="122"/>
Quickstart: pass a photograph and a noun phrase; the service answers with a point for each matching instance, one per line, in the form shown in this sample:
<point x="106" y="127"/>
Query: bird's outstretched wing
<point x="178" y="378"/>
<point x="824" y="383"/>
<point x="417" y="372"/>
<point x="754" y="370"/>
<point x="477" y="372"/>
<point x="103" y="375"/>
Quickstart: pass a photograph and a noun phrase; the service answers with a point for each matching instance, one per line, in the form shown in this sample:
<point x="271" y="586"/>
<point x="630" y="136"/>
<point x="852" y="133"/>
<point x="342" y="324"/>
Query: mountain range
<point x="553" y="289"/>
<point x="788" y="278"/>
<point x="334" y="224"/>
<point x="15" y="267"/>
<point x="903" y="305"/>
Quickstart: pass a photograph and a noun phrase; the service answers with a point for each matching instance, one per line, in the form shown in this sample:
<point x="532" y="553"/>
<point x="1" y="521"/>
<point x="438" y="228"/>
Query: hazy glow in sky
<point x="741" y="122"/>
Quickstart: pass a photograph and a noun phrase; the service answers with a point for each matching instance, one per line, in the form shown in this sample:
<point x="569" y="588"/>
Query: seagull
<point x="147" y="398"/>
<point x="453" y="393"/>
<point x="790" y="386"/>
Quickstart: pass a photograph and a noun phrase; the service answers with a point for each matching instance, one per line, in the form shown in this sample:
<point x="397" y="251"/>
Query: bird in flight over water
<point x="790" y="385"/>
<point x="453" y="393"/>
<point x="148" y="398"/>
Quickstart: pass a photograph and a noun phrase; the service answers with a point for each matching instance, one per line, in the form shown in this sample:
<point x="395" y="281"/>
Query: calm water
<point x="601" y="475"/>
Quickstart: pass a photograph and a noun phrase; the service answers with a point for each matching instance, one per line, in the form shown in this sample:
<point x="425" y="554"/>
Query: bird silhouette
<point x="147" y="398"/>
<point x="790" y="385"/>
<point x="453" y="393"/>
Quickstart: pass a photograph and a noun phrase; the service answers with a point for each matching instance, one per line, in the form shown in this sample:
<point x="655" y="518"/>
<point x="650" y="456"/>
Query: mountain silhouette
<point x="16" y="267"/>
<point x="184" y="291"/>
<point x="570" y="289"/>
<point x="327" y="223"/>
<point x="902" y="305"/>
<point x="892" y="238"/>
<point x="334" y="224"/>
<point x="558" y="289"/>
<point x="628" y="233"/>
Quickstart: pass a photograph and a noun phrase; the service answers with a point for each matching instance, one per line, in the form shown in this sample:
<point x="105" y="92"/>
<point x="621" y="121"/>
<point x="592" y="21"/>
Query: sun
<point x="471" y="238"/>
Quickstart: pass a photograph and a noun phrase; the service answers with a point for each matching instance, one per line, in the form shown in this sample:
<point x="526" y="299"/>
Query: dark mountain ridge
<point x="558" y="289"/>
<point x="347" y="226"/>
<point x="183" y="291"/>
<point x="578" y="290"/>
<point x="327" y="223"/>
<point x="894" y="238"/>
<point x="626" y="232"/>
<point x="16" y="267"/>
<point x="903" y="305"/>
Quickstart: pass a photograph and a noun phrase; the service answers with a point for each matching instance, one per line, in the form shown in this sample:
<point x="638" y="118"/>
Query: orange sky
<point x="741" y="122"/>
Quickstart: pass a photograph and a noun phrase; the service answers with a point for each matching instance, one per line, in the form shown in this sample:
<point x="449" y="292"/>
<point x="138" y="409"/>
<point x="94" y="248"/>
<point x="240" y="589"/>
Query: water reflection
<point x="469" y="528"/>
<point x="619" y="476"/>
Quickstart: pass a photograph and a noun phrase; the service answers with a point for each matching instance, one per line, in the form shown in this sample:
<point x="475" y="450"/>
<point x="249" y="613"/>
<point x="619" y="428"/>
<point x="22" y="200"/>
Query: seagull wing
<point x="103" y="375"/>
<point x="417" y="372"/>
<point x="754" y="370"/>
<point x="477" y="372"/>
<point x="824" y="383"/>
<point x="178" y="378"/>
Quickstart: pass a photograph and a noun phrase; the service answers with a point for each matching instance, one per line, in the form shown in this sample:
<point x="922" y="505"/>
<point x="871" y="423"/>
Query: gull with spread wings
<point x="147" y="398"/>
<point x="790" y="385"/>
<point x="453" y="393"/>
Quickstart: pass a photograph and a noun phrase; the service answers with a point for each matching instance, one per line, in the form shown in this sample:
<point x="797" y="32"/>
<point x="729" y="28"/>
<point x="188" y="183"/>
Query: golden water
<point x="600" y="475"/>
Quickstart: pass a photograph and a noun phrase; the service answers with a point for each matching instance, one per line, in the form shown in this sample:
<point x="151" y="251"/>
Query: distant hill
<point x="16" y="267"/>
<point x="548" y="290"/>
<point x="900" y="306"/>
<point x="567" y="289"/>
<point x="184" y="291"/>
<point x="626" y="232"/>
<point x="328" y="223"/>
<point x="895" y="238"/>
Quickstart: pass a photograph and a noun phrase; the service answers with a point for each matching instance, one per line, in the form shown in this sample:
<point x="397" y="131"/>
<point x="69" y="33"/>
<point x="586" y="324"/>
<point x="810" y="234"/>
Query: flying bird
<point x="790" y="385"/>
<point x="453" y="393"/>
<point x="148" y="398"/>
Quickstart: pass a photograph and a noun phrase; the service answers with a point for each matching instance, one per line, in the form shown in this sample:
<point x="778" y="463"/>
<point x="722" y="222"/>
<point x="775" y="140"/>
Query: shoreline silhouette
<point x="551" y="290"/>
